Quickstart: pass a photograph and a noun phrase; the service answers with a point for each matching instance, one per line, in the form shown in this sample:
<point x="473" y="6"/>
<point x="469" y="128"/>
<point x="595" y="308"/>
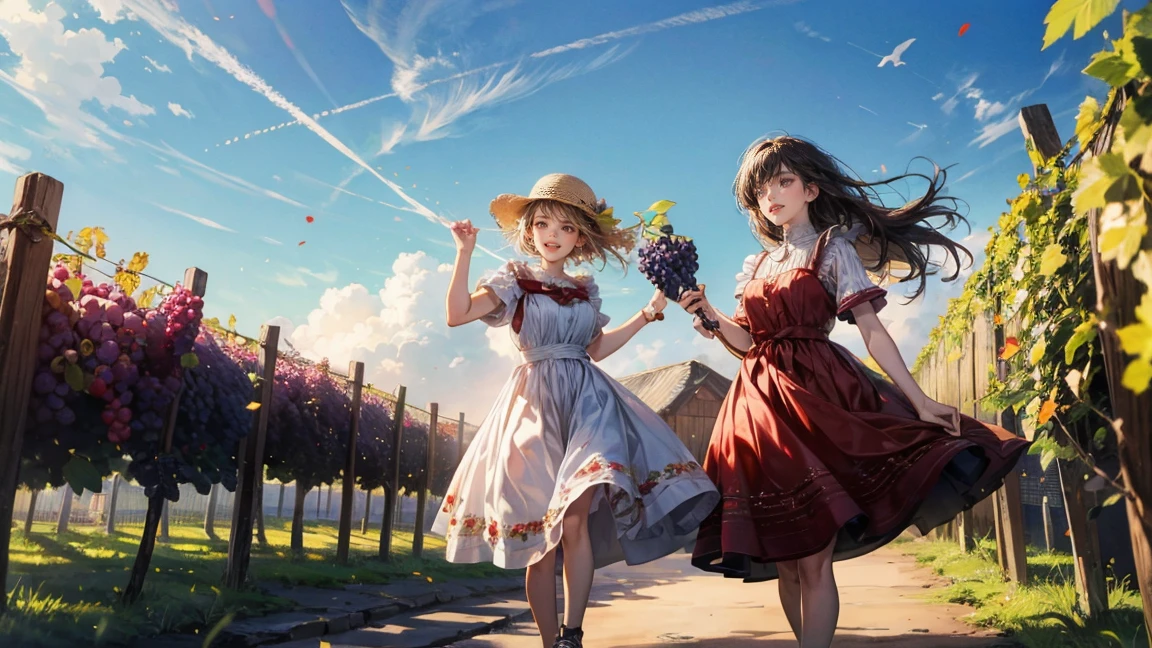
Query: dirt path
<point x="668" y="603"/>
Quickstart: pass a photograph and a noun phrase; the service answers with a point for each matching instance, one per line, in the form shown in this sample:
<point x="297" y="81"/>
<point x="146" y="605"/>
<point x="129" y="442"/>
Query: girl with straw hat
<point x="567" y="458"/>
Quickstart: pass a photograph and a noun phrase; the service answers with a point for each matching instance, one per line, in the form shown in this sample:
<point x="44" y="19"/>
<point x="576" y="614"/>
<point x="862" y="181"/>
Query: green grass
<point x="64" y="589"/>
<point x="1043" y="614"/>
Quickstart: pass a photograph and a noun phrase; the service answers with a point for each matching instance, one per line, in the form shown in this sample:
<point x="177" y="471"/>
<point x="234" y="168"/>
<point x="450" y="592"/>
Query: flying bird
<point x="894" y="57"/>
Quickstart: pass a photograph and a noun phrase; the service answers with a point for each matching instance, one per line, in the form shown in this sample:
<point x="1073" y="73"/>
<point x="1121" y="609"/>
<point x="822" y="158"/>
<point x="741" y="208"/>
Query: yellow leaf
<point x="1046" y="411"/>
<point x="1122" y="228"/>
<point x="955" y="355"/>
<point x="84" y="240"/>
<point x="139" y="262"/>
<point x="253" y="406"/>
<point x="1142" y="268"/>
<point x="232" y="322"/>
<point x="661" y="206"/>
<point x="1087" y="121"/>
<point x="1137" y="375"/>
<point x="1086" y="14"/>
<point x="1051" y="260"/>
<point x="1038" y="350"/>
<point x="997" y="320"/>
<point x="101" y="238"/>
<point x="127" y="281"/>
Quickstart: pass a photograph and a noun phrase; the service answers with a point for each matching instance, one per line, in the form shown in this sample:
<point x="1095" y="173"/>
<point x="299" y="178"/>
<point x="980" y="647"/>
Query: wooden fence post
<point x="1117" y="294"/>
<point x="250" y="463"/>
<point x="23" y="276"/>
<point x="1040" y="132"/>
<point x="1046" y="516"/>
<point x="348" y="480"/>
<point x="196" y="282"/>
<point x="460" y="440"/>
<point x="425" y="479"/>
<point x="392" y="495"/>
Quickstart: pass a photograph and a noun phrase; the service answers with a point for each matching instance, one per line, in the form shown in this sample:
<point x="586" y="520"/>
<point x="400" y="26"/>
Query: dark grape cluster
<point x="670" y="263"/>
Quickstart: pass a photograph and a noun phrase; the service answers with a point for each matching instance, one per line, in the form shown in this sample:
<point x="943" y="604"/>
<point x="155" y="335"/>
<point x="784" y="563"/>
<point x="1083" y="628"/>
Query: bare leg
<point x="820" y="602"/>
<point x="578" y="565"/>
<point x="540" y="586"/>
<point x="790" y="594"/>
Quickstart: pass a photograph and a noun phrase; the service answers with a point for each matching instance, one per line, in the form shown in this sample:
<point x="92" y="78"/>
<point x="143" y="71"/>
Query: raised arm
<point x="460" y="306"/>
<point x="609" y="342"/>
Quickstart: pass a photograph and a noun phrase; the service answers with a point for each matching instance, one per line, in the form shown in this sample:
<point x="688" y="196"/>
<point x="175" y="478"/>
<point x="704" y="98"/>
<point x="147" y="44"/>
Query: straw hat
<point x="508" y="208"/>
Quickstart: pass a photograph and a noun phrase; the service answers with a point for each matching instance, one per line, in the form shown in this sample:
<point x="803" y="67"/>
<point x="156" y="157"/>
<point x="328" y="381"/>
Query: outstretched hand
<point x="464" y="235"/>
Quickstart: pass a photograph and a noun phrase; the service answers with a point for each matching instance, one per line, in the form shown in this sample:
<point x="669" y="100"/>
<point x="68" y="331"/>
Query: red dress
<point x="810" y="445"/>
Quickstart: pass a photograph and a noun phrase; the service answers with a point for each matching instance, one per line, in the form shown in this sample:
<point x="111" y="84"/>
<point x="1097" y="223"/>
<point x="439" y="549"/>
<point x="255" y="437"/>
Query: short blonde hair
<point x="598" y="246"/>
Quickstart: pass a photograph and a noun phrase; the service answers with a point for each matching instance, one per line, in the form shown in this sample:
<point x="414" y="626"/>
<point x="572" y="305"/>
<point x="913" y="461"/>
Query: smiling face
<point x="553" y="234"/>
<point x="784" y="197"/>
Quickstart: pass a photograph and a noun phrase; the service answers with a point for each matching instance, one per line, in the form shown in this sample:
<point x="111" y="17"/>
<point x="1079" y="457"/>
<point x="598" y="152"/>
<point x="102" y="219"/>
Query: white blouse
<point x="841" y="271"/>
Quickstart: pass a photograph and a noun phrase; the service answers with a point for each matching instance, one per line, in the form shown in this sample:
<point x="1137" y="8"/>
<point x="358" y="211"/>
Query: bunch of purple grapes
<point x="670" y="263"/>
<point x="182" y="311"/>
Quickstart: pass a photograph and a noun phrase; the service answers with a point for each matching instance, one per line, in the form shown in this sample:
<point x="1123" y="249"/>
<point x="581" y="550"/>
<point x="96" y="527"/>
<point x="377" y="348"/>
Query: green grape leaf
<point x="1052" y="260"/>
<point x="189" y="360"/>
<point x="81" y="474"/>
<point x="1087" y="121"/>
<point x="1080" y="15"/>
<point x="1112" y="68"/>
<point x="74" y="376"/>
<point x="1082" y="334"/>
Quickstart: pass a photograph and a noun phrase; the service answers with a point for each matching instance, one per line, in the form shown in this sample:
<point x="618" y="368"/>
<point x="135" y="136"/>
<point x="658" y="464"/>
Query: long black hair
<point x="897" y="235"/>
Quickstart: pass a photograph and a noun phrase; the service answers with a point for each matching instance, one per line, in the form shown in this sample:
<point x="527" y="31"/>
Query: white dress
<point x="559" y="427"/>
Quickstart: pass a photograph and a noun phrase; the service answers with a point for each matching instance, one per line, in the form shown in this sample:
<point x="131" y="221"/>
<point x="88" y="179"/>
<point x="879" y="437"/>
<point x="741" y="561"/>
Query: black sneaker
<point x="569" y="638"/>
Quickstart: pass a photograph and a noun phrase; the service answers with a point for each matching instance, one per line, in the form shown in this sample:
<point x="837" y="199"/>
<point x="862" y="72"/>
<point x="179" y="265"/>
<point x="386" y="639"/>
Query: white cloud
<point x="995" y="130"/>
<point x="805" y="29"/>
<point x="399" y="334"/>
<point x="199" y="219"/>
<point x="110" y="10"/>
<point x="179" y="110"/>
<point x="59" y="70"/>
<point x="10" y="154"/>
<point x="158" y="67"/>
<point x="986" y="109"/>
<point x="168" y="170"/>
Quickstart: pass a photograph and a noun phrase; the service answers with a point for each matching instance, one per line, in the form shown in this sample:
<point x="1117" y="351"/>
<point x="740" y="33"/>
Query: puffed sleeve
<point x="742" y="278"/>
<point x="844" y="277"/>
<point x="594" y="299"/>
<point x="502" y="284"/>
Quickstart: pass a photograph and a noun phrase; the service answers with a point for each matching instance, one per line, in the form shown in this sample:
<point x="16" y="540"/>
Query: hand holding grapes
<point x="694" y="302"/>
<point x="464" y="235"/>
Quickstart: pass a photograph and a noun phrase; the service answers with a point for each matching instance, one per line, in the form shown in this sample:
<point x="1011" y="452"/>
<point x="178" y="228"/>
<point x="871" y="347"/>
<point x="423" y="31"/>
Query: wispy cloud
<point x="157" y="66"/>
<point x="803" y="28"/>
<point x="985" y="109"/>
<point x="10" y="155"/>
<point x="292" y="281"/>
<point x="866" y="109"/>
<point x="179" y="110"/>
<point x="192" y="217"/>
<point x="219" y="177"/>
<point x="991" y="132"/>
<point x="193" y="41"/>
<point x="396" y="37"/>
<point x="169" y="170"/>
<point x="273" y="241"/>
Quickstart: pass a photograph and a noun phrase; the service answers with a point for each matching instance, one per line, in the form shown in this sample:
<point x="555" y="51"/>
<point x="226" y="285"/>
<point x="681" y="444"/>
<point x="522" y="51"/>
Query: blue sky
<point x="176" y="127"/>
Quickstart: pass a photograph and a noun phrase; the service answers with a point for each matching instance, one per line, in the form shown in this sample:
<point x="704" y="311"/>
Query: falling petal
<point x="964" y="28"/>
<point x="1011" y="346"/>
<point x="883" y="169"/>
<point x="300" y="243"/>
<point x="309" y="219"/>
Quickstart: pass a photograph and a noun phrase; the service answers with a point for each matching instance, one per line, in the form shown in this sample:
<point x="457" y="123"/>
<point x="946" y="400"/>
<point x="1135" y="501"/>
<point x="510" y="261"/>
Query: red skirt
<point x="811" y="447"/>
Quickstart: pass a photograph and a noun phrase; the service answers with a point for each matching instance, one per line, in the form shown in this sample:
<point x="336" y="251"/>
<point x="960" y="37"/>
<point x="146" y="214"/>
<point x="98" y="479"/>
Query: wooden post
<point x="392" y="494"/>
<point x="196" y="282"/>
<point x="1117" y="294"/>
<point x="966" y="520"/>
<point x="164" y="523"/>
<point x="210" y="512"/>
<point x="261" y="537"/>
<point x="1046" y="515"/>
<point x="367" y="512"/>
<point x="300" y="492"/>
<point x="250" y="464"/>
<point x="348" y="481"/>
<point x="30" y="516"/>
<point x="460" y="440"/>
<point x="328" y="505"/>
<point x="1090" y="582"/>
<point x="425" y="480"/>
<point x="65" y="514"/>
<point x="110" y="523"/>
<point x="23" y="275"/>
<point x="280" y="503"/>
